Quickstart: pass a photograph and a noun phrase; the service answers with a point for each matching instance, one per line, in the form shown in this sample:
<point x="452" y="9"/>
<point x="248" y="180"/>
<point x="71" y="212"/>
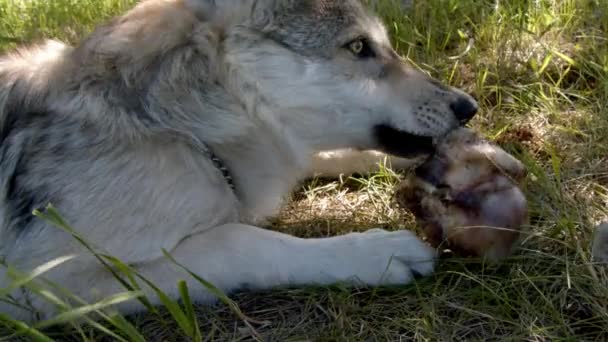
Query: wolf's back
<point x="26" y="79"/>
<point x="26" y="76"/>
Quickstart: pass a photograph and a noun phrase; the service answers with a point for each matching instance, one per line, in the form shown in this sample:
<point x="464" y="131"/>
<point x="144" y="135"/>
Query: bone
<point x="466" y="197"/>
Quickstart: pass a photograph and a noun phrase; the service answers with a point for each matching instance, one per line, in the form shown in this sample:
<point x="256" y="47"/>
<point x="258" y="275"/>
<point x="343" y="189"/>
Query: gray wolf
<point x="123" y="133"/>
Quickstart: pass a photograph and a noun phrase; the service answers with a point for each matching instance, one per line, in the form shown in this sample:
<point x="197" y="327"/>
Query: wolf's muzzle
<point x="464" y="108"/>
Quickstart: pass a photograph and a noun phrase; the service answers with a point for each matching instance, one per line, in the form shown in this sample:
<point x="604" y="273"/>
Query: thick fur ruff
<point x="111" y="131"/>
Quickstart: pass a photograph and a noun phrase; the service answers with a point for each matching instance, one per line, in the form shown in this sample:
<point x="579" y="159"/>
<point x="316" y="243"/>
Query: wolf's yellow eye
<point x="356" y="47"/>
<point x="360" y="48"/>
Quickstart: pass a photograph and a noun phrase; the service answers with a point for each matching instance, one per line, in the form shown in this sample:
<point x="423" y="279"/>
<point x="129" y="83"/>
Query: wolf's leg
<point x="236" y="256"/>
<point x="348" y="161"/>
<point x="600" y="243"/>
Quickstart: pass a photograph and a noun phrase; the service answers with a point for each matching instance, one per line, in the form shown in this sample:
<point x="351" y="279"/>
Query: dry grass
<point x="540" y="72"/>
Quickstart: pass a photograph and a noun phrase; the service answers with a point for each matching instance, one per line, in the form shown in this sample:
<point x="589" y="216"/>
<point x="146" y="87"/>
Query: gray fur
<point x="599" y="247"/>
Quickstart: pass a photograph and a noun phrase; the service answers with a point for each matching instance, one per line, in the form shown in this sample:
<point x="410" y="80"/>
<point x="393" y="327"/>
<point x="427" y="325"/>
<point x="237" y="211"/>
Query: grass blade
<point x="126" y="328"/>
<point x="220" y="295"/>
<point x="78" y="313"/>
<point x="22" y="329"/>
<point x="53" y="217"/>
<point x="189" y="307"/>
<point x="173" y="307"/>
<point x="21" y="280"/>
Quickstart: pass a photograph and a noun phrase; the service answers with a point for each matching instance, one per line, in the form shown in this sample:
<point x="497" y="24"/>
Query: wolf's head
<point x="327" y="71"/>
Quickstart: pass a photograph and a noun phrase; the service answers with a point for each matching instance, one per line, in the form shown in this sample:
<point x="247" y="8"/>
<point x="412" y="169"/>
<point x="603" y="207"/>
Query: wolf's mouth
<point x="402" y="144"/>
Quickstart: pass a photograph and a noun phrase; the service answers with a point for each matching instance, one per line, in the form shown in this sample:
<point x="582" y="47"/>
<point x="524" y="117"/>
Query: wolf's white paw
<point x="379" y="257"/>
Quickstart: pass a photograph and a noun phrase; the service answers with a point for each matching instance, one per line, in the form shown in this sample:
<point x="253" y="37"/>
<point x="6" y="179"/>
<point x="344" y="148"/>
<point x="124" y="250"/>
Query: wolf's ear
<point x="218" y="10"/>
<point x="227" y="11"/>
<point x="202" y="8"/>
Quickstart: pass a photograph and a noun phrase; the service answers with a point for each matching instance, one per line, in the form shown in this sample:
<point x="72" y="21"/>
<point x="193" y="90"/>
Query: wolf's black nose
<point x="464" y="109"/>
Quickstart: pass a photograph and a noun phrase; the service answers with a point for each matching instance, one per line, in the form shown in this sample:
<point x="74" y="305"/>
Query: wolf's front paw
<point x="379" y="257"/>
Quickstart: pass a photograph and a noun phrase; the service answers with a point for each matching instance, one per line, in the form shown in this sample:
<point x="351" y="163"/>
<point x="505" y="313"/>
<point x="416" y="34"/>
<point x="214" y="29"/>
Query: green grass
<point x="540" y="72"/>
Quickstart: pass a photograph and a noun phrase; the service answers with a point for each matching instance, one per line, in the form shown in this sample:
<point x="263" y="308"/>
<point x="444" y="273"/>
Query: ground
<point x="540" y="71"/>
